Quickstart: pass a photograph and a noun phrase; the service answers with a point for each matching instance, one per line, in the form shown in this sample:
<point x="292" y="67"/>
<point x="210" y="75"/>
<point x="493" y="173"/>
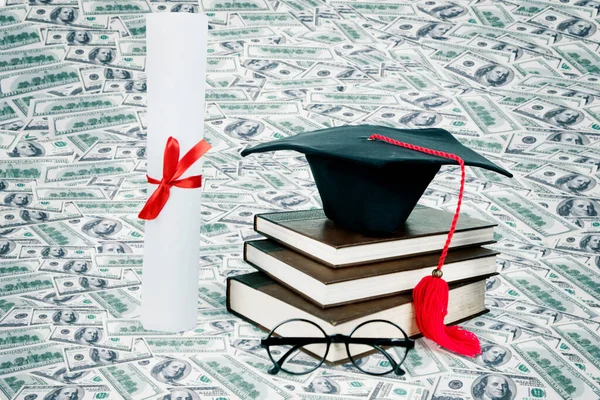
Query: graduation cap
<point x="370" y="178"/>
<point x="369" y="186"/>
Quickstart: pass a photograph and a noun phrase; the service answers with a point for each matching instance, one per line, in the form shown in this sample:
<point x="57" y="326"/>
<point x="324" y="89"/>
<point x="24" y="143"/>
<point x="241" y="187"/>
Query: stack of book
<point x="311" y="268"/>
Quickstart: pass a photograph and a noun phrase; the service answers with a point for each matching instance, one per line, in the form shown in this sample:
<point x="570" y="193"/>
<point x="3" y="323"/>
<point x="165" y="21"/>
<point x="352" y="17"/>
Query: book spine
<point x="246" y="251"/>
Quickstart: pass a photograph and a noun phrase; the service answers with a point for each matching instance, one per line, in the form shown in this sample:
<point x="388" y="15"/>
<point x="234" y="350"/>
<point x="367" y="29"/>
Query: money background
<point x="518" y="81"/>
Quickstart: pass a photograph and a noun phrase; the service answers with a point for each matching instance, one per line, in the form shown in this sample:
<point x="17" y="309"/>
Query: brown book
<point x="261" y="300"/>
<point x="425" y="231"/>
<point x="328" y="287"/>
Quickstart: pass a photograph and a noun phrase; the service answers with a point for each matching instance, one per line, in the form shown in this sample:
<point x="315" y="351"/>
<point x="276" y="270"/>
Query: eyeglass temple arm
<point x="395" y="365"/>
<point x="382" y="342"/>
<point x="282" y="341"/>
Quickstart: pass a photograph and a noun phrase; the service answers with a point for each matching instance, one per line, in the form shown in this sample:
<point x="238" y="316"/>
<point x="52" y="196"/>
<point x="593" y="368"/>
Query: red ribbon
<point x="173" y="168"/>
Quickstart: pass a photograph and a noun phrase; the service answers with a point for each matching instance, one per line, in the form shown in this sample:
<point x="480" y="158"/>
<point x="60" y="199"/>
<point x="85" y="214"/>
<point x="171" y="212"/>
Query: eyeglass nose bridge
<point x="338" y="338"/>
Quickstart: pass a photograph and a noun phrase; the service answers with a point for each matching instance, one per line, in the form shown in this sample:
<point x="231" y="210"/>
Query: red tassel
<point x="430" y="296"/>
<point x="430" y="299"/>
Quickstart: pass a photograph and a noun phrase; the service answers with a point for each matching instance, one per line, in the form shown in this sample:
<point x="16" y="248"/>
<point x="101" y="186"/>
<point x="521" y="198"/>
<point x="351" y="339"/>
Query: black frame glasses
<point x="299" y="342"/>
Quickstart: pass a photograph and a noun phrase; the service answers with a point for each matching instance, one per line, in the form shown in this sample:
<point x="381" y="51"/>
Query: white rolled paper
<point x="176" y="73"/>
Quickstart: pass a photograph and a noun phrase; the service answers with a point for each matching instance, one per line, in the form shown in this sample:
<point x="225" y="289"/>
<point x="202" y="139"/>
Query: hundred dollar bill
<point x="230" y="64"/>
<point x="84" y="358"/>
<point x="340" y="384"/>
<point x="564" y="22"/>
<point x="583" y="339"/>
<point x="28" y="58"/>
<point x="85" y="267"/>
<point x="24" y="217"/>
<point x="11" y="285"/>
<point x="579" y="56"/>
<point x="557" y="115"/>
<point x="20" y="337"/>
<point x="529" y="8"/>
<point x="41" y="148"/>
<point x="583" y="243"/>
<point x="450" y="51"/>
<point x="540" y="290"/>
<point x="535" y="66"/>
<point x="493" y="14"/>
<point x="481" y="70"/>
<point x="118" y="7"/>
<point x="577" y="273"/>
<point x="470" y="384"/>
<point x="16" y="267"/>
<point x="105" y="56"/>
<point x="10" y="15"/>
<point x="66" y="285"/>
<point x="488" y="116"/>
<point x="400" y="391"/>
<point x="82" y="37"/>
<point x="33" y="80"/>
<point x="90" y="336"/>
<point x="129" y="327"/>
<point x="566" y="180"/>
<point x="222" y="5"/>
<point x="119" y="303"/>
<point x="50" y="297"/>
<point x="276" y="19"/>
<point x="91" y="120"/>
<point x="516" y="330"/>
<point x="18" y="35"/>
<point x="349" y="98"/>
<point x="218" y="35"/>
<point x="31" y="357"/>
<point x="106" y="207"/>
<point x="238" y="379"/>
<point x="294" y="53"/>
<point x="57" y="106"/>
<point x="130" y="382"/>
<point x="49" y="252"/>
<point x="17" y="316"/>
<point x="80" y="392"/>
<point x="54" y="174"/>
<point x="558" y="374"/>
<point x="300" y="83"/>
<point x="106" y="261"/>
<point x="131" y="47"/>
<point x="67" y="193"/>
<point x="67" y="316"/>
<point x="196" y="344"/>
<point x="468" y="31"/>
<point x="10" y="385"/>
<point x="254" y="108"/>
<point x="65" y="16"/>
<point x="8" y="111"/>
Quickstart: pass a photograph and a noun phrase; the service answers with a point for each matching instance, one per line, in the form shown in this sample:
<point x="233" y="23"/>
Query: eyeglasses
<point x="294" y="335"/>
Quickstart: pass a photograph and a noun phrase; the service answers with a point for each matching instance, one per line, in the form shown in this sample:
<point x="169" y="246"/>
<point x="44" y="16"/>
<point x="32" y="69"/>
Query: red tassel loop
<point x="430" y="296"/>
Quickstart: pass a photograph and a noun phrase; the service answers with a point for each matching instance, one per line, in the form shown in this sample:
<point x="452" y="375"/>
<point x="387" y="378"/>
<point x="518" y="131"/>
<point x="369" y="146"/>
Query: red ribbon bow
<point x="173" y="168"/>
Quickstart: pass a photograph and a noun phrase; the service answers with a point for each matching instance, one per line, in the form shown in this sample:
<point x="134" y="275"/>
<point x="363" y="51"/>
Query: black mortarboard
<point x="370" y="186"/>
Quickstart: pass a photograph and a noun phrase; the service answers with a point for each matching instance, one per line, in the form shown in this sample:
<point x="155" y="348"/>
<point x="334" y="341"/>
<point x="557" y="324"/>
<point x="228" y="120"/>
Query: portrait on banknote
<point x="512" y="329"/>
<point x="65" y="316"/>
<point x="62" y="375"/>
<point x="323" y="385"/>
<point x="103" y="356"/>
<point x="563" y="117"/>
<point x="27" y="148"/>
<point x="33" y="215"/>
<point x="246" y="344"/>
<point x="116" y="73"/>
<point x="569" y="137"/>
<point x="575" y="183"/>
<point x="64" y="15"/>
<point x="494" y="387"/>
<point x="493" y="355"/>
<point x="102" y="55"/>
<point x="101" y="227"/>
<point x="88" y="335"/>
<point x="67" y="392"/>
<point x="574" y="207"/>
<point x="79" y="37"/>
<point x="171" y="370"/>
<point x="18" y="199"/>
<point x="6" y="246"/>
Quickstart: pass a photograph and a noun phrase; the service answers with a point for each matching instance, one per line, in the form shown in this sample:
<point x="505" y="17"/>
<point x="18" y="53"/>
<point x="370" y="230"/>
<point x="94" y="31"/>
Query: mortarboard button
<point x="370" y="186"/>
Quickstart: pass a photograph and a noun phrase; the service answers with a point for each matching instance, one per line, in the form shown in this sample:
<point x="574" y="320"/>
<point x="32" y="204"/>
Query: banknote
<point x="494" y="15"/>
<point x="84" y="358"/>
<point x="118" y="303"/>
<point x="238" y="379"/>
<point x="10" y="385"/>
<point x="566" y="180"/>
<point x="83" y="392"/>
<point x="18" y="35"/>
<point x="31" y="357"/>
<point x="104" y="56"/>
<point x="130" y="382"/>
<point x="67" y="316"/>
<point x="18" y="337"/>
<point x="32" y="80"/>
<point x="481" y="70"/>
<point x="564" y="22"/>
<point x="90" y="336"/>
<point x="47" y="107"/>
<point x="491" y="118"/>
<point x="131" y="47"/>
<point x="11" y="15"/>
<point x="67" y="285"/>
<point x="536" y="288"/>
<point x="65" y="16"/>
<point x="82" y="37"/>
<point x="470" y="384"/>
<point x="50" y="297"/>
<point x="11" y="285"/>
<point x="16" y="267"/>
<point x="196" y="344"/>
<point x="28" y="58"/>
<point x="129" y="327"/>
<point x="556" y="372"/>
<point x="17" y="218"/>
<point x="81" y="267"/>
<point x="120" y="7"/>
<point x="535" y="66"/>
<point x="67" y="193"/>
<point x="555" y="115"/>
